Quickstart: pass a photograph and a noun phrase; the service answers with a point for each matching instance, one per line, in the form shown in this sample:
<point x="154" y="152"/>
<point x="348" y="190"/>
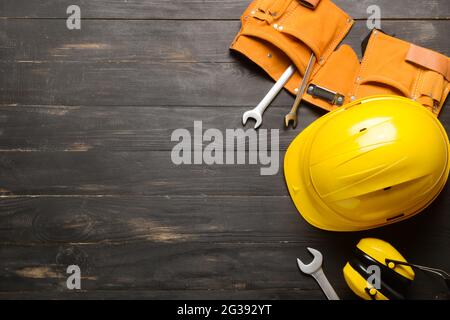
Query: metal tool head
<point x="254" y="115"/>
<point x="315" y="265"/>
<point x="291" y="117"/>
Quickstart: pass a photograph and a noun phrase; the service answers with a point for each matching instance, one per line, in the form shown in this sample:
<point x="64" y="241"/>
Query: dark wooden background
<point x="85" y="170"/>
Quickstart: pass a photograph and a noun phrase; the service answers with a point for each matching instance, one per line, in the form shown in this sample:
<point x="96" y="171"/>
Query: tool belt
<point x="277" y="33"/>
<point x="389" y="66"/>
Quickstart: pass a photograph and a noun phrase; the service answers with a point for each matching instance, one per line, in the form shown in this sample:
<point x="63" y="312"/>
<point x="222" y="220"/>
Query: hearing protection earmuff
<point x="370" y="256"/>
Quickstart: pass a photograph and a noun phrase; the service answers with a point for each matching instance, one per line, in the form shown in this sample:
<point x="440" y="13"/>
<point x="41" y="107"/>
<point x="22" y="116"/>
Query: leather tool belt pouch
<point x="278" y="33"/>
<point x="389" y="66"/>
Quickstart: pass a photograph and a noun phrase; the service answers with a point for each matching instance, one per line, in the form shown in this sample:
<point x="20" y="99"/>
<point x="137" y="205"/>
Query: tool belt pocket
<point x="278" y="33"/>
<point x="430" y="91"/>
<point x="394" y="66"/>
<point x="432" y="85"/>
<point x="320" y="29"/>
<point x="384" y="69"/>
<point x="390" y="66"/>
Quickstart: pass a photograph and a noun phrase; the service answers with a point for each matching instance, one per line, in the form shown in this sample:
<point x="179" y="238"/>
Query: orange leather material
<point x="429" y="59"/>
<point x="270" y="10"/>
<point x="386" y="68"/>
<point x="277" y="33"/>
<point x="337" y="74"/>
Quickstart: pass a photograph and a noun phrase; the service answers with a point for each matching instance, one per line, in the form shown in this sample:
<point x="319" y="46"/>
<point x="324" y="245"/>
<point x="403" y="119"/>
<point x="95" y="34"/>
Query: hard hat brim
<point x="300" y="185"/>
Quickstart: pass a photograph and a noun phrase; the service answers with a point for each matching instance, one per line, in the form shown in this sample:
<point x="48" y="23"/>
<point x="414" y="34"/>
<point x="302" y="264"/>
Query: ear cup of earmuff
<point x="370" y="255"/>
<point x="392" y="285"/>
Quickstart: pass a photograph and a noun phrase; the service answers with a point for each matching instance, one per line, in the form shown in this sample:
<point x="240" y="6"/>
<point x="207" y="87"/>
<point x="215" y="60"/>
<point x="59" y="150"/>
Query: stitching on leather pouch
<point x="329" y="50"/>
<point x="326" y="54"/>
<point x="288" y="13"/>
<point x="363" y="63"/>
<point x="415" y="94"/>
<point x="273" y="5"/>
<point x="257" y="3"/>
<point x="255" y="7"/>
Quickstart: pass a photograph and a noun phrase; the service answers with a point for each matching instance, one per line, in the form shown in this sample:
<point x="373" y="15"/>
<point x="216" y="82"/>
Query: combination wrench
<point x="314" y="269"/>
<point x="258" y="111"/>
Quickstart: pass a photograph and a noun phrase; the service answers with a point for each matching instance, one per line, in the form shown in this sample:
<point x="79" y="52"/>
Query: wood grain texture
<point x="208" y="9"/>
<point x="156" y="41"/>
<point x="85" y="171"/>
<point x="189" y="267"/>
<point x="115" y="173"/>
<point x="146" y="128"/>
<point x="84" y="83"/>
<point x="181" y="246"/>
<point x="112" y="220"/>
<point x="125" y="173"/>
<point x="42" y="77"/>
<point x="145" y="266"/>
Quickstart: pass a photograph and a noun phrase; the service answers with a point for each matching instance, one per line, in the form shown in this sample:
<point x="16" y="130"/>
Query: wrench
<point x="315" y="270"/>
<point x="257" y="112"/>
<point x="292" y="115"/>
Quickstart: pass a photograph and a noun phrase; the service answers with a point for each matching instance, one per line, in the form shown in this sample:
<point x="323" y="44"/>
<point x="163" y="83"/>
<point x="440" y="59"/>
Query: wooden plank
<point x="136" y="84"/>
<point x="207" y="9"/>
<point x="188" y="267"/>
<point x="146" y="266"/>
<point x="424" y="288"/>
<point x="96" y="128"/>
<point x="173" y="219"/>
<point x="192" y="266"/>
<point x="260" y="294"/>
<point x="112" y="220"/>
<point x="129" y="82"/>
<point x="426" y="292"/>
<point x="33" y="128"/>
<point x="117" y="40"/>
<point x="149" y="173"/>
<point x="182" y="41"/>
<point x="78" y="83"/>
<point x="131" y="173"/>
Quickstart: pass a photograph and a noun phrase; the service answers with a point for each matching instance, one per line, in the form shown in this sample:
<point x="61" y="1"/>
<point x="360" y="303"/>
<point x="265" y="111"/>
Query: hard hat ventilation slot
<point x="363" y="129"/>
<point x="387" y="188"/>
<point x="396" y="217"/>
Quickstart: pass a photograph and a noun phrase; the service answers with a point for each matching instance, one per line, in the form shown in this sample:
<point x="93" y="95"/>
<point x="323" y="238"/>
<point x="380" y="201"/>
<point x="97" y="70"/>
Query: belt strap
<point x="270" y="10"/>
<point x="312" y="4"/>
<point x="429" y="59"/>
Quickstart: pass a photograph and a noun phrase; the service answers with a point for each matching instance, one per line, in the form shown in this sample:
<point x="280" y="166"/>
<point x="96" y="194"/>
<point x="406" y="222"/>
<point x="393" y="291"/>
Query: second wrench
<point x="292" y="115"/>
<point x="315" y="270"/>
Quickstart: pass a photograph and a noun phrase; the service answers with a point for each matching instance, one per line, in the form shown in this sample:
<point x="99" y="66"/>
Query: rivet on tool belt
<point x="331" y="97"/>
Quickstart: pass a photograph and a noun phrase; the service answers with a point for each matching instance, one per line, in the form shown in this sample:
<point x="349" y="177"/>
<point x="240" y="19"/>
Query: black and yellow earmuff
<point x="395" y="278"/>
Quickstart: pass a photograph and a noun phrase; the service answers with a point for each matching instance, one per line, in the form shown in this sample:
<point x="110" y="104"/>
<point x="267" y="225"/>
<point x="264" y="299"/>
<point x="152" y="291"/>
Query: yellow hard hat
<point x="370" y="163"/>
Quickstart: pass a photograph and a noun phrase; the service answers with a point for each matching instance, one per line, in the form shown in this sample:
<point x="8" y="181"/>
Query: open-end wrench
<point x="292" y="115"/>
<point x="257" y="112"/>
<point x="315" y="270"/>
